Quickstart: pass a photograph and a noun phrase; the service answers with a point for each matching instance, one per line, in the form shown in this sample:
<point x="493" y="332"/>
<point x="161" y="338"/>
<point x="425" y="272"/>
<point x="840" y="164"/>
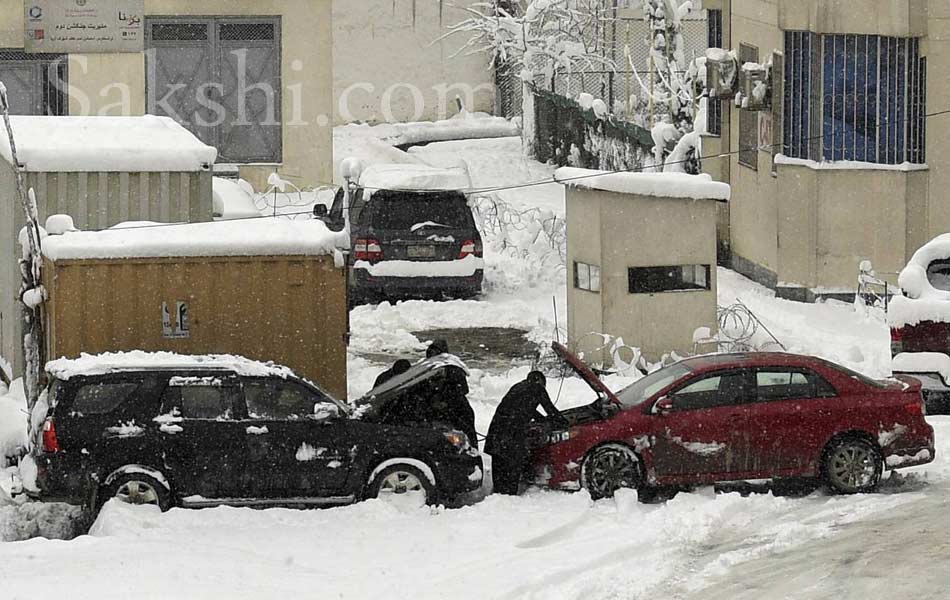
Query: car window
<point x="414" y="211"/>
<point x="102" y="398"/>
<point x="790" y="384"/>
<point x="721" y="389"/>
<point x="278" y="400"/>
<point x="200" y="400"/>
<point x="644" y="388"/>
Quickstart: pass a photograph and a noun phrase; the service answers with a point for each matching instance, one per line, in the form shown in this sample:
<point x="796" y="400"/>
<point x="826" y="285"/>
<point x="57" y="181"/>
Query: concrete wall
<point x="306" y="73"/>
<point x="391" y="65"/>
<point x="585" y="309"/>
<point x="638" y="231"/>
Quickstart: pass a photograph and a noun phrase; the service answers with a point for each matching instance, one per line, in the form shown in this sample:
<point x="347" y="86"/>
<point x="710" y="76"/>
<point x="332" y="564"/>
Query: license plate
<point x="421" y="251"/>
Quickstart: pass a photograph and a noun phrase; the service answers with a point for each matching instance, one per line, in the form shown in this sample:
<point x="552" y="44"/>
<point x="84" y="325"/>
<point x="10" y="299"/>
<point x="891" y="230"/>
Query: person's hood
<point x="422" y="371"/>
<point x="584" y="372"/>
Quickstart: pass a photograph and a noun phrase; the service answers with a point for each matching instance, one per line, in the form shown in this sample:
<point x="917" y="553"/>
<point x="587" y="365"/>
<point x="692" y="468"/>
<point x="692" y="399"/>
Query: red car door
<point x="790" y="421"/>
<point x="703" y="436"/>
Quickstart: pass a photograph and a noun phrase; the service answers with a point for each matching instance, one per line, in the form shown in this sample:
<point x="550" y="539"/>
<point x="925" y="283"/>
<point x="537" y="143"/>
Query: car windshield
<point x="643" y="389"/>
<point x="420" y="212"/>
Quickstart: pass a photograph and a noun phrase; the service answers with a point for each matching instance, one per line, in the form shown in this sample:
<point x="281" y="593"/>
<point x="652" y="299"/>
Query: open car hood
<point x="377" y="398"/>
<point x="584" y="372"/>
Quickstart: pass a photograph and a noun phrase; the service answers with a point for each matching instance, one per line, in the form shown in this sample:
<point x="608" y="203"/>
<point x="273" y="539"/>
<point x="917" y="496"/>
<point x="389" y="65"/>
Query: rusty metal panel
<point x="291" y="310"/>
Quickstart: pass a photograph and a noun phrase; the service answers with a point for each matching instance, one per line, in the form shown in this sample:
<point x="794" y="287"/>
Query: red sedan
<point x="734" y="417"/>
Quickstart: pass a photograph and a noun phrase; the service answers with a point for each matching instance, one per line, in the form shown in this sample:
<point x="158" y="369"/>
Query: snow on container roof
<point x="663" y="185"/>
<point x="117" y="144"/>
<point x="138" y="360"/>
<point x="266" y="236"/>
<point x="414" y="178"/>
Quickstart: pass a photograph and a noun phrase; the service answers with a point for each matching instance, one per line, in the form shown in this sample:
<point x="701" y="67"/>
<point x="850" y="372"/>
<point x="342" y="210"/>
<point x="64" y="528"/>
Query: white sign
<point x="182" y="328"/>
<point x="89" y="26"/>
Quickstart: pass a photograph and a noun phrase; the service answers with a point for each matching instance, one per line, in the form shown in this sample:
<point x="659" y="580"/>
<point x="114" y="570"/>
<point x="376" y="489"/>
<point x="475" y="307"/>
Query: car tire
<point x="852" y="465"/>
<point x="610" y="467"/>
<point x="396" y="481"/>
<point x="139" y="489"/>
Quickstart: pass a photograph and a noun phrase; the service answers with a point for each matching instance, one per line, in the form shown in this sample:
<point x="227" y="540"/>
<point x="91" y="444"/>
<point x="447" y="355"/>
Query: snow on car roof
<point x="267" y="236"/>
<point x="138" y="360"/>
<point x="126" y="144"/>
<point x="921" y="301"/>
<point x="663" y="185"/>
<point x="414" y="178"/>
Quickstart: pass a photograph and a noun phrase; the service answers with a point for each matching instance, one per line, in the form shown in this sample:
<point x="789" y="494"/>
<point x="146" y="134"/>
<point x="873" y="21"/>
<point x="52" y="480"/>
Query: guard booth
<point x="641" y="252"/>
<point x="101" y="171"/>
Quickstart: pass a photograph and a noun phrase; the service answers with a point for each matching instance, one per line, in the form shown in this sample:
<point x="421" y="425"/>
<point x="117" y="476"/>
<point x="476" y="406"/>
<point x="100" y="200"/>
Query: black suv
<point x="216" y="431"/>
<point x="406" y="243"/>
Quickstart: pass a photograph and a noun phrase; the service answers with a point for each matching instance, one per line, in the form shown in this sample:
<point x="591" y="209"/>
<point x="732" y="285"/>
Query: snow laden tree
<point x="676" y="121"/>
<point x="539" y="40"/>
<point x="32" y="293"/>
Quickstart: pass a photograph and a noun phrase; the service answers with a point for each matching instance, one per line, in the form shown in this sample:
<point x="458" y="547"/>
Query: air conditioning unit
<point x="754" y="87"/>
<point x="721" y="73"/>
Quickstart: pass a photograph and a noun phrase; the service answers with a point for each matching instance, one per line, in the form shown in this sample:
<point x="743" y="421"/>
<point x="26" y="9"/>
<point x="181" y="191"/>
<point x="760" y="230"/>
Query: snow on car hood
<point x="584" y="372"/>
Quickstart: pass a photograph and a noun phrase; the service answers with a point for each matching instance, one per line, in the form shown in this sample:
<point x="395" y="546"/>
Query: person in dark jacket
<point x="506" y="441"/>
<point x="450" y="398"/>
<point x="399" y="367"/>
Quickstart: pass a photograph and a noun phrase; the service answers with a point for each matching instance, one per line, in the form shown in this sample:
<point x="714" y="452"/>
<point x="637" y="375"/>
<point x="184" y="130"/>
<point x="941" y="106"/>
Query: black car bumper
<point x="62" y="478"/>
<point x="460" y="474"/>
<point x="362" y="281"/>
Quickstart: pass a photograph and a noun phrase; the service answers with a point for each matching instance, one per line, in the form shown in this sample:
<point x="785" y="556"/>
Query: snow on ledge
<point x="663" y="185"/>
<point x="847" y="165"/>
<point x="113" y="362"/>
<point x="108" y="144"/>
<point x="267" y="236"/>
<point x="922" y="362"/>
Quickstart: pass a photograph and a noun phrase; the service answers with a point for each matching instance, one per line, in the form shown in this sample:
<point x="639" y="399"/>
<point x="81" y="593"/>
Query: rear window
<point x="403" y="211"/>
<point x="938" y="274"/>
<point x="102" y="398"/>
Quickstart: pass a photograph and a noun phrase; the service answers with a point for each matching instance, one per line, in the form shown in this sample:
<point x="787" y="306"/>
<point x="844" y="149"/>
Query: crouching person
<point x="507" y="436"/>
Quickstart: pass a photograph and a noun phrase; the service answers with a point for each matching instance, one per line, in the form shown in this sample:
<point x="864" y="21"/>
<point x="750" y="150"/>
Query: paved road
<point x="902" y="556"/>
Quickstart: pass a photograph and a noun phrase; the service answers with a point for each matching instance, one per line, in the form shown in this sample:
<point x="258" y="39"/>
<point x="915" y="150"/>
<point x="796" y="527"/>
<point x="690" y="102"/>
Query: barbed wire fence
<point x="530" y="234"/>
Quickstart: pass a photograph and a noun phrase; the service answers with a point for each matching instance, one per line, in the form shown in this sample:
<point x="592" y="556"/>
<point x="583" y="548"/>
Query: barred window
<point x="714" y="40"/>
<point x="748" y="119"/>
<point x="872" y="103"/>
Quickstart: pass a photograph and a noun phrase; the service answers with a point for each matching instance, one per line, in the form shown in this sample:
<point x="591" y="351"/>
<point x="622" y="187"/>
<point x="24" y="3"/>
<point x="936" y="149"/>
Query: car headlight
<point x="457" y="439"/>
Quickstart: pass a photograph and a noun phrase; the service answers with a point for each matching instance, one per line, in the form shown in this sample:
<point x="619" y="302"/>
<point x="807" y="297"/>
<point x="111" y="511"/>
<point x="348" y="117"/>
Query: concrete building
<point x="391" y="62"/>
<point x="251" y="78"/>
<point x="641" y="256"/>
<point x="842" y="165"/>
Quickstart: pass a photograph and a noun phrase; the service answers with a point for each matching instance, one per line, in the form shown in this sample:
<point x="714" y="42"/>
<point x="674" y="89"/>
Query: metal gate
<point x="220" y="78"/>
<point x="36" y="83"/>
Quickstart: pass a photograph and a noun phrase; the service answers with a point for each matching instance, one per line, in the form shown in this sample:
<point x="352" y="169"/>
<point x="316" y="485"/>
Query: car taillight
<point x="367" y="249"/>
<point x="897" y="342"/>
<point x="50" y="443"/>
<point x="471" y="248"/>
<point x="915" y="408"/>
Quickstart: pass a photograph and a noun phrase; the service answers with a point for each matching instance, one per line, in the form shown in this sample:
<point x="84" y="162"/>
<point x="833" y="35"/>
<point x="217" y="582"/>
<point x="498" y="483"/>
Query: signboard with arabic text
<point x="84" y="26"/>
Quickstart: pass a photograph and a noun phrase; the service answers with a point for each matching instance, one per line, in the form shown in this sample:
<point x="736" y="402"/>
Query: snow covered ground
<point x="542" y="545"/>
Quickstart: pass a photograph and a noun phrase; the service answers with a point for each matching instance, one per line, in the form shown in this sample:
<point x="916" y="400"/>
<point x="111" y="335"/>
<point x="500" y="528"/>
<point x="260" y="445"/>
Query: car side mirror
<point x="663" y="406"/>
<point x="320" y="211"/>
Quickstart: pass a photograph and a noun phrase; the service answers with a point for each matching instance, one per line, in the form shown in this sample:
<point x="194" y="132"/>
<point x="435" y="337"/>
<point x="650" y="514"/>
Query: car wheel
<point x="403" y="486"/>
<point x="852" y="466"/>
<point x="139" y="489"/>
<point x="609" y="468"/>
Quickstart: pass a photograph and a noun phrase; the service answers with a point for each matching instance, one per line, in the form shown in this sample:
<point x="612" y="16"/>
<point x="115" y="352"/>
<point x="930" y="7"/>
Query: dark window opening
<point x="651" y="280"/>
<point x="748" y="119"/>
<point x="278" y="401"/>
<point x="36" y="83"/>
<point x="714" y="40"/>
<point x="102" y="398"/>
<point x="199" y="401"/>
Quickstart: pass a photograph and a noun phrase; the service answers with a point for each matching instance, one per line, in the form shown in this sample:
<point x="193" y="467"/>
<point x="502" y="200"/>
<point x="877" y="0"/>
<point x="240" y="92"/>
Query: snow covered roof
<point x="126" y="144"/>
<point x="248" y="237"/>
<point x="138" y="360"/>
<point x="414" y="177"/>
<point x="663" y="185"/>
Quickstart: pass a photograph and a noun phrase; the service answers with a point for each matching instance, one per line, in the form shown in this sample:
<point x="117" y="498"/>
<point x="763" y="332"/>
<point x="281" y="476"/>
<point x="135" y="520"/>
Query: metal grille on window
<point x="714" y="40"/>
<point x="873" y="98"/>
<point x="179" y="32"/>
<point x="246" y="32"/>
<point x="36" y="83"/>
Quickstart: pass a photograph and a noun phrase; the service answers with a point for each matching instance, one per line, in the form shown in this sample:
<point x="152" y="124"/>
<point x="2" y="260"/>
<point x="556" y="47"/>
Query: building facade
<point x="251" y="78"/>
<point x="844" y="163"/>
<point x="393" y="62"/>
